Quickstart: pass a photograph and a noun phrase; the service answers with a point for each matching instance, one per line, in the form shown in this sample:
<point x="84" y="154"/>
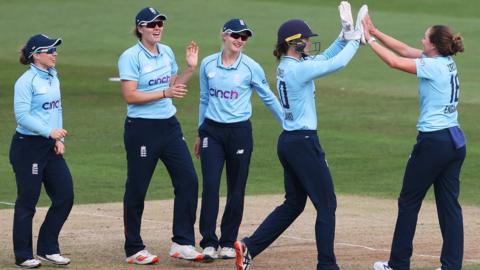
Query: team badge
<point x="211" y="74"/>
<point x="143" y="151"/>
<point x="205" y="142"/>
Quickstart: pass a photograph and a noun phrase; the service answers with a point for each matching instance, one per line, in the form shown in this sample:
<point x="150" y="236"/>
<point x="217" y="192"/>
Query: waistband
<point x="440" y="131"/>
<point x="37" y="138"/>
<point x="245" y="123"/>
<point x="148" y="120"/>
<point x="300" y="132"/>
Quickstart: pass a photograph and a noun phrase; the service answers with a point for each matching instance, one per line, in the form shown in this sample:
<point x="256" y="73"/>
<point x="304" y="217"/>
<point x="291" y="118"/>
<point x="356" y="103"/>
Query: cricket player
<point x="305" y="168"/>
<point x="227" y="80"/>
<point x="36" y="154"/>
<point x="149" y="80"/>
<point x="438" y="155"/>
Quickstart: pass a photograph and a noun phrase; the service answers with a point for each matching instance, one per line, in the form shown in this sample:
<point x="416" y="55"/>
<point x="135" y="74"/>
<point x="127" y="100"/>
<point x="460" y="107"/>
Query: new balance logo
<point x="240" y="152"/>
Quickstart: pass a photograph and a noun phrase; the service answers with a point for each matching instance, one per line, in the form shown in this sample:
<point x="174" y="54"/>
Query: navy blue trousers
<point x="306" y="175"/>
<point x="147" y="141"/>
<point x="229" y="144"/>
<point x="34" y="162"/>
<point x="434" y="160"/>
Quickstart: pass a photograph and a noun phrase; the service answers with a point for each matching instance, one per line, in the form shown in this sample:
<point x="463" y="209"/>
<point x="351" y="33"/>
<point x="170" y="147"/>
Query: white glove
<point x="358" y="25"/>
<point x="348" y="32"/>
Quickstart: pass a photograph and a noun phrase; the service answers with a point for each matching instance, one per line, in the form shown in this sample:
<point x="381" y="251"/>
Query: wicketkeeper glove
<point x="348" y="29"/>
<point x="358" y="25"/>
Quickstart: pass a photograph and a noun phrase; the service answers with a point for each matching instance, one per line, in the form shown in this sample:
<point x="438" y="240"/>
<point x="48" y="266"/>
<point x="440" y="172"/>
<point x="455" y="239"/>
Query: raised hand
<point x="192" y="54"/>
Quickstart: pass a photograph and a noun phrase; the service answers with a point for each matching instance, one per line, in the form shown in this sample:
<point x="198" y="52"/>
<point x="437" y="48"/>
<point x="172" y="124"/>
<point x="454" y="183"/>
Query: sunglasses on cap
<point x="46" y="50"/>
<point x="153" y="24"/>
<point x="238" y="36"/>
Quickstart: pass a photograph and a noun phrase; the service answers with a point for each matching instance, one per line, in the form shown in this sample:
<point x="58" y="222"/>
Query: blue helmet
<point x="294" y="29"/>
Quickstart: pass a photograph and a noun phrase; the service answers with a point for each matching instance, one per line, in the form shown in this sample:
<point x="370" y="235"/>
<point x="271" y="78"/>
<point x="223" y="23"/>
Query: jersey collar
<point x="45" y="74"/>
<point x="234" y="66"/>
<point x="148" y="53"/>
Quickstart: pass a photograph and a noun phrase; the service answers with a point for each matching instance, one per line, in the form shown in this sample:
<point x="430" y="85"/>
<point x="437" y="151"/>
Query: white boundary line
<point x="8" y="203"/>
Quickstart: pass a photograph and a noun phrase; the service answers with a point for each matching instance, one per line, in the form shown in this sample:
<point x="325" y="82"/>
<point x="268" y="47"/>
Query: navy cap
<point x="147" y="15"/>
<point x="294" y="29"/>
<point x="39" y="42"/>
<point x="236" y="26"/>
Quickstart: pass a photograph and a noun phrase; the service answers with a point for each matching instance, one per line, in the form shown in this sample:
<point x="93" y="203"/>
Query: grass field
<point x="366" y="113"/>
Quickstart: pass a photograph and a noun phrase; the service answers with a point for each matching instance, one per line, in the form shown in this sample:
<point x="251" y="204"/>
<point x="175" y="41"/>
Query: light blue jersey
<point x="225" y="92"/>
<point x="439" y="90"/>
<point x="296" y="87"/>
<point x="152" y="73"/>
<point x="37" y="102"/>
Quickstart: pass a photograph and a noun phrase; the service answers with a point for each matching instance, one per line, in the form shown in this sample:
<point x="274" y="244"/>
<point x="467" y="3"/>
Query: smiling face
<point x="234" y="42"/>
<point x="151" y="32"/>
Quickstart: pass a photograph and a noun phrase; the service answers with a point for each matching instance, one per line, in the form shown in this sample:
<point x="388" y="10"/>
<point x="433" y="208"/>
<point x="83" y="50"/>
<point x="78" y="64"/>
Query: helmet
<point x="294" y="29"/>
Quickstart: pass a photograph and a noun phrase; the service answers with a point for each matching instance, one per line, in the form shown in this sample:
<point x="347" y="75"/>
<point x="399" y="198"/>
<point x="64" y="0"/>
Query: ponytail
<point x="24" y="60"/>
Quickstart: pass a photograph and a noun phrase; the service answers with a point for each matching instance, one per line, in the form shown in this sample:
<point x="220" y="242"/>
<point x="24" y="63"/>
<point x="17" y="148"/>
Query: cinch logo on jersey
<point x="226" y="94"/>
<point x="159" y="80"/>
<point x="51" y="105"/>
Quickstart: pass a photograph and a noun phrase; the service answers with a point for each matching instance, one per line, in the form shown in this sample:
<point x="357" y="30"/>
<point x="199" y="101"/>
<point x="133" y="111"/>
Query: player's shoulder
<point x="131" y="52"/>
<point x="249" y="60"/>
<point x="25" y="79"/>
<point x="166" y="49"/>
<point x="210" y="59"/>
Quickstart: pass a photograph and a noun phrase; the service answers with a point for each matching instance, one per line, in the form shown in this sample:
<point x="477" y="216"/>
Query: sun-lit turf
<point x="367" y="112"/>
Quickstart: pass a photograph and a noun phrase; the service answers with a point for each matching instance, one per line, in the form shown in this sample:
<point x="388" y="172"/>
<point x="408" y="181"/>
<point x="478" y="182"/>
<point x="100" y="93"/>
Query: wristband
<point x="371" y="39"/>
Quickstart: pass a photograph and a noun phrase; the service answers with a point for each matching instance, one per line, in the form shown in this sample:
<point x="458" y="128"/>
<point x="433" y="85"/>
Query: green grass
<point x="367" y="112"/>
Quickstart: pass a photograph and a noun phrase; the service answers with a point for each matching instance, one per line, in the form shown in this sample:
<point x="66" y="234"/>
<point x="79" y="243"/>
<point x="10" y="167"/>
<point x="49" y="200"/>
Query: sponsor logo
<point x="51" y="105"/>
<point x="159" y="80"/>
<point x="240" y="152"/>
<point x="226" y="94"/>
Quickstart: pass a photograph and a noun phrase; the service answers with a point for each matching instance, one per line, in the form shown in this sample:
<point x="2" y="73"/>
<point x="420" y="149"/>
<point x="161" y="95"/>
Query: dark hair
<point x="24" y="60"/>
<point x="280" y="50"/>
<point x="445" y="41"/>
<point x="137" y="33"/>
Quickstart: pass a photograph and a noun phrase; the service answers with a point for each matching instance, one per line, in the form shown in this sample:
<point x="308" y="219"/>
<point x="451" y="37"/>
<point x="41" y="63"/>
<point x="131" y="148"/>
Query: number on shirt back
<point x="282" y="89"/>
<point x="455" y="88"/>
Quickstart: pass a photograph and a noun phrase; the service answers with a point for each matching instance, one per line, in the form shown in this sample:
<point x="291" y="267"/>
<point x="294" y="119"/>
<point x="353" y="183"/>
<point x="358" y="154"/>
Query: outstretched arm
<point x="393" y="44"/>
<point x="391" y="59"/>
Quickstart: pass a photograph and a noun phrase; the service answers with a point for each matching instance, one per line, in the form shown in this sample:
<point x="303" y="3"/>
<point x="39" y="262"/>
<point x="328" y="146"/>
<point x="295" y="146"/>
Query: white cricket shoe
<point x="32" y="263"/>
<point x="186" y="252"/>
<point x="55" y="259"/>
<point x="142" y="257"/>
<point x="227" y="253"/>
<point x="381" y="266"/>
<point x="209" y="254"/>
